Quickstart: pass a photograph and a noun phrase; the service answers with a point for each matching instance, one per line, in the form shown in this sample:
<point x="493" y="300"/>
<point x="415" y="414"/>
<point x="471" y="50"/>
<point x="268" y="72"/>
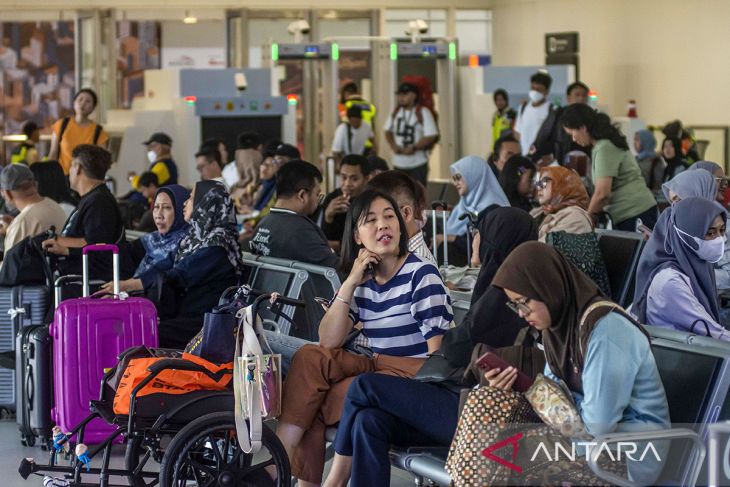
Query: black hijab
<point x="489" y="320"/>
<point x="676" y="162"/>
<point x="500" y="231"/>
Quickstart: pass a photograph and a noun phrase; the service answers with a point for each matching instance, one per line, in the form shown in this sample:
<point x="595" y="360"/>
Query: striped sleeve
<point x="431" y="304"/>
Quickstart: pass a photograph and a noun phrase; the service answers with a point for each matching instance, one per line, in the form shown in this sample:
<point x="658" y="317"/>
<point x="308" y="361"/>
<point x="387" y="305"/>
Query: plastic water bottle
<point x="49" y="481"/>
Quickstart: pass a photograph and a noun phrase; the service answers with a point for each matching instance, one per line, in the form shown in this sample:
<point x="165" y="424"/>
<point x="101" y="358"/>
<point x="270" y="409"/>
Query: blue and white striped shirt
<point x="400" y="315"/>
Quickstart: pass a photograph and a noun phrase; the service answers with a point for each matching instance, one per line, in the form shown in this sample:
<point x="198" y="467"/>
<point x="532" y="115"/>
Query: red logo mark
<point x="512" y="440"/>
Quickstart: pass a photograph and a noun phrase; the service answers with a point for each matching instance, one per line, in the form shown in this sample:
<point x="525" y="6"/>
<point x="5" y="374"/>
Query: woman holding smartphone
<point x="404" y="309"/>
<point x="593" y="347"/>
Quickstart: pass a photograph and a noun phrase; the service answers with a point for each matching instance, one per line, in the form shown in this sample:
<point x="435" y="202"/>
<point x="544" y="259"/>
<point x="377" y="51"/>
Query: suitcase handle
<point x="85" y="265"/>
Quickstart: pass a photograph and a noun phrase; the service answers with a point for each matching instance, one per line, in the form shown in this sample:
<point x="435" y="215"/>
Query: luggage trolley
<point x="192" y="436"/>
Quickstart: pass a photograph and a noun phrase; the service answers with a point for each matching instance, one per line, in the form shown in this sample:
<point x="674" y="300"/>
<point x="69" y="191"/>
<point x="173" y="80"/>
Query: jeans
<point x="286" y="345"/>
<point x="382" y="410"/>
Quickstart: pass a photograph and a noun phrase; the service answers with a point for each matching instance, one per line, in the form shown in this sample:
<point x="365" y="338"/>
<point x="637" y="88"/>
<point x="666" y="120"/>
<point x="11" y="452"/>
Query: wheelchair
<point x="171" y="439"/>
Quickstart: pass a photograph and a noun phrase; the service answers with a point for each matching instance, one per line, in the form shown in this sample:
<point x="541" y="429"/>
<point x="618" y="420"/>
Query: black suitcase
<point x="20" y="306"/>
<point x="34" y="384"/>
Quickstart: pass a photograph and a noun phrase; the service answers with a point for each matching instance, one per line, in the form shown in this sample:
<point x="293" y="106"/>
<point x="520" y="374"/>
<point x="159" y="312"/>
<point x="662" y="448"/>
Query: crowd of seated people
<point x="371" y="229"/>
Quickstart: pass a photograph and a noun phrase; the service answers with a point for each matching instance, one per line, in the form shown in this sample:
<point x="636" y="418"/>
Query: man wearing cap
<point x="352" y="135"/>
<point x="161" y="163"/>
<point x="37" y="214"/>
<point x="411" y="131"/>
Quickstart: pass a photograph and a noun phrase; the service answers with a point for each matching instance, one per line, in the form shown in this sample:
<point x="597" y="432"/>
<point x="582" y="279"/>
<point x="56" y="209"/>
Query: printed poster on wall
<point x="193" y="57"/>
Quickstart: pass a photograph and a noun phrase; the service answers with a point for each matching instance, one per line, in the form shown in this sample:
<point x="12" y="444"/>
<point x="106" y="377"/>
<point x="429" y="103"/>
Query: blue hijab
<point x="686" y="184"/>
<point x="647" y="144"/>
<point x="666" y="249"/>
<point x="709" y="166"/>
<point x="483" y="190"/>
<point x="160" y="250"/>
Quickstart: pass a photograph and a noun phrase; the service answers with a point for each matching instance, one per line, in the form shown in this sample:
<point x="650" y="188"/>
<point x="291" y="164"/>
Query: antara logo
<point x="623" y="450"/>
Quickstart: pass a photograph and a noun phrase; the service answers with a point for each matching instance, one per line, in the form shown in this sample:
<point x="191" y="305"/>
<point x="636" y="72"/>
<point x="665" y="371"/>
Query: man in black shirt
<point x="354" y="172"/>
<point x="96" y="218"/>
<point x="287" y="232"/>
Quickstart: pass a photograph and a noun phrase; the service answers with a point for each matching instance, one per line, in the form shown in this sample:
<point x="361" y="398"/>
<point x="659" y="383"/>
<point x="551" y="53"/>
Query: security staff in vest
<point x="159" y="146"/>
<point x="26" y="152"/>
<point x="351" y="97"/>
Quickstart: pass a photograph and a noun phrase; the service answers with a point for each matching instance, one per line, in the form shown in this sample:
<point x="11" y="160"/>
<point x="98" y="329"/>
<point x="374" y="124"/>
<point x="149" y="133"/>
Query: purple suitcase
<point x="88" y="335"/>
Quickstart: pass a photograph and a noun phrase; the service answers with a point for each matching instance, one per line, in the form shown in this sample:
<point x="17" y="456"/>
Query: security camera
<point x="417" y="26"/>
<point x="241" y="81"/>
<point x="300" y="26"/>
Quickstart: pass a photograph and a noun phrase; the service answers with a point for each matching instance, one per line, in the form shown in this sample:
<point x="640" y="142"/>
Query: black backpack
<point x="25" y="263"/>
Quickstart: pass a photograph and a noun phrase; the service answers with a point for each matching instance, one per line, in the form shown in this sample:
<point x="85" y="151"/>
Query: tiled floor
<point x="11" y="453"/>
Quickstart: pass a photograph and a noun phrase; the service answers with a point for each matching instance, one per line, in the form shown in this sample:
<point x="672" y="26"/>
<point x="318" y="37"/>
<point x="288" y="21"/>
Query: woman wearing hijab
<point x="673" y="158"/>
<point x="651" y="165"/>
<point x="155" y="252"/>
<point x="598" y="352"/>
<point x="675" y="282"/>
<point x="380" y="411"/>
<point x="687" y="184"/>
<point x="516" y="181"/>
<point x="713" y="168"/>
<point x="563" y="203"/>
<point x="207" y="262"/>
<point x="478" y="188"/>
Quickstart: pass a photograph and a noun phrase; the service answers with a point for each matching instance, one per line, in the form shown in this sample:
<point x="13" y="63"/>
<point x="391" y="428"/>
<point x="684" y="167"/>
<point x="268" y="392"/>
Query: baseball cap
<point x="287" y="150"/>
<point x="14" y="175"/>
<point x="160" y="138"/>
<point x="407" y="88"/>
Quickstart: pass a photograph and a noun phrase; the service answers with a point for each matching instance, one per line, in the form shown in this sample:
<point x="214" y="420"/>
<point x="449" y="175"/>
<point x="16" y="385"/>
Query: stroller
<point x="192" y="436"/>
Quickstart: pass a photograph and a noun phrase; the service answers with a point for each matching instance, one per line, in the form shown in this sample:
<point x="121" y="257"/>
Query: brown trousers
<point x="314" y="395"/>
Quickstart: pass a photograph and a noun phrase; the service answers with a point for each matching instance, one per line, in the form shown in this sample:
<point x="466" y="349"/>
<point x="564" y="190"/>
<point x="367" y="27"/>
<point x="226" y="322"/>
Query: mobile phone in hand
<point x="490" y="361"/>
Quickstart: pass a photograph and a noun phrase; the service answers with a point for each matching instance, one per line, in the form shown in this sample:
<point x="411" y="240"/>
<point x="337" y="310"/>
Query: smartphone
<point x="491" y="360"/>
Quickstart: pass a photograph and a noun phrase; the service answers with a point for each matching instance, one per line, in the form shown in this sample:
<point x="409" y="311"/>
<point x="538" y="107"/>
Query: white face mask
<point x="708" y="250"/>
<point x="152" y="156"/>
<point x="536" y="96"/>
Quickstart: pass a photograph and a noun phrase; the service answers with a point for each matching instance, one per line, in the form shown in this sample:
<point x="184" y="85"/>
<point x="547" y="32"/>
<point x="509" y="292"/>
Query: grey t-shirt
<point x="287" y="235"/>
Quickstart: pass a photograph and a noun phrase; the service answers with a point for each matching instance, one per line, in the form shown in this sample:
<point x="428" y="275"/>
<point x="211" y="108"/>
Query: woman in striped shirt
<point x="404" y="309"/>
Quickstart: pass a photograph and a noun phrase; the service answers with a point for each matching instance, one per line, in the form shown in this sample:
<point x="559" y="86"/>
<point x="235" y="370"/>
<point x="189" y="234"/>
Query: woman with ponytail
<point x="620" y="189"/>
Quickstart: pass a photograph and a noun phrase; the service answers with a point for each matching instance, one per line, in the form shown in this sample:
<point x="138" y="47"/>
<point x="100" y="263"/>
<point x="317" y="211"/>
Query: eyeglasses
<point x="543" y="182"/>
<point x="200" y="167"/>
<point x="722" y="182"/>
<point x="520" y="306"/>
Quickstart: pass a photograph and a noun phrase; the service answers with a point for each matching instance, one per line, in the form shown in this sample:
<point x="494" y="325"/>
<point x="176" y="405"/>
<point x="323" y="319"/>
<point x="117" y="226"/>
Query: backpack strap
<point x="97" y="133"/>
<point x="349" y="138"/>
<point x="64" y="126"/>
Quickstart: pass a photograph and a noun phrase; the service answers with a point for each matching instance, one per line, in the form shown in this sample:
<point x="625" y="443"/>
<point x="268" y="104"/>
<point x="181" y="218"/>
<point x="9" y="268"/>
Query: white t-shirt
<point x="407" y="130"/>
<point x="34" y="220"/>
<point x="529" y="122"/>
<point x="230" y="174"/>
<point x="352" y="142"/>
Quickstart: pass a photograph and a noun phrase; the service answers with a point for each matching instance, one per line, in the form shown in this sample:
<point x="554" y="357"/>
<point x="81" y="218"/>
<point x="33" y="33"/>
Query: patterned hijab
<point x="161" y="248"/>
<point x="212" y="224"/>
<point x="567" y="189"/>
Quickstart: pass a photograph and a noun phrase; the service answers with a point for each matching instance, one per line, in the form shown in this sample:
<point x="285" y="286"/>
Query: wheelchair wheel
<point x="206" y="453"/>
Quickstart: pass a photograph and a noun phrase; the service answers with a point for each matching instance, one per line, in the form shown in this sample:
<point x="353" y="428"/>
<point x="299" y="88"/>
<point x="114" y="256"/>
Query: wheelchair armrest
<point x="180" y="364"/>
<point x="668" y="434"/>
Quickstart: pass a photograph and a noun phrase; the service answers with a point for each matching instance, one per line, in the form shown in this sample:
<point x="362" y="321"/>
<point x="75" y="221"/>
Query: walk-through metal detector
<point x="435" y="59"/>
<point x="316" y="94"/>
